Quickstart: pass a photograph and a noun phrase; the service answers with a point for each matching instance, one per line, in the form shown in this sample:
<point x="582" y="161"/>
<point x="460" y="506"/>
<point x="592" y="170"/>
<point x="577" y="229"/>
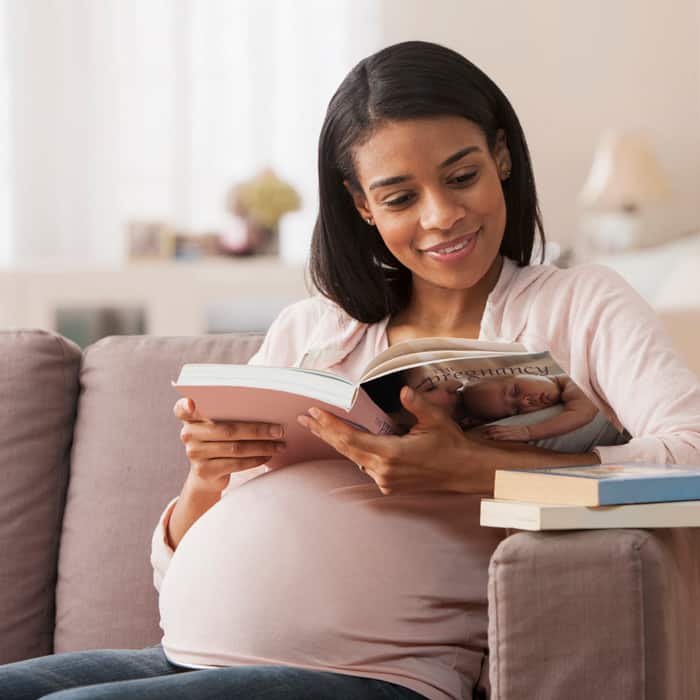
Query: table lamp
<point x="625" y="177"/>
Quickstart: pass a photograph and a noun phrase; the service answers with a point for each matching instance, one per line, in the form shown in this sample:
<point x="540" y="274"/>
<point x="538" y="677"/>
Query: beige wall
<point x="571" y="69"/>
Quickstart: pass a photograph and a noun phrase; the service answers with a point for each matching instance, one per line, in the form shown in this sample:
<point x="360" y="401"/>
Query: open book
<point x="499" y="390"/>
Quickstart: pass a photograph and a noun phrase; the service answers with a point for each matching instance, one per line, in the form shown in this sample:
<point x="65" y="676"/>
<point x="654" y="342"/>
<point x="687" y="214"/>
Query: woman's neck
<point x="435" y="311"/>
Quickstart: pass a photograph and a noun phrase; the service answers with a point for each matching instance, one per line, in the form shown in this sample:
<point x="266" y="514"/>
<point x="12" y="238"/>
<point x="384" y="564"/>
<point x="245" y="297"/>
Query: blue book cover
<point x="634" y="482"/>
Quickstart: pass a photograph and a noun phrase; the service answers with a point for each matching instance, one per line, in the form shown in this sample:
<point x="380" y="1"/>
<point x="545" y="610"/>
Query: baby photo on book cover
<point x="523" y="398"/>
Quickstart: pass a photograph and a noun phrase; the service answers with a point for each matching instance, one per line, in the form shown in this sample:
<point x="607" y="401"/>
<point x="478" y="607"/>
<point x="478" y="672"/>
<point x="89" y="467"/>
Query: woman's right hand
<point x="217" y="449"/>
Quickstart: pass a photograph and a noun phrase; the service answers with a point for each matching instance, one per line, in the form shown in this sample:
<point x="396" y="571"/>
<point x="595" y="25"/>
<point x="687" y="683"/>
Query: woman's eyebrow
<point x="397" y="179"/>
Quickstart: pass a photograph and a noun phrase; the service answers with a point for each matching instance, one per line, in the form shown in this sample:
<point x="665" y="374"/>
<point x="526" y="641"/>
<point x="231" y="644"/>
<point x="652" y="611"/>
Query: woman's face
<point x="434" y="191"/>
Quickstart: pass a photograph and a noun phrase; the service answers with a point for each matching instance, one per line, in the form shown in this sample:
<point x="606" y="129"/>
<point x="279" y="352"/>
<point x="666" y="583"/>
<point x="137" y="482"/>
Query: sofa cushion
<point x="39" y="389"/>
<point x="127" y="463"/>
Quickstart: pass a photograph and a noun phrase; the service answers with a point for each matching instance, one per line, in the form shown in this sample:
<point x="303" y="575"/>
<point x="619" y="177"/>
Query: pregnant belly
<point x="311" y="564"/>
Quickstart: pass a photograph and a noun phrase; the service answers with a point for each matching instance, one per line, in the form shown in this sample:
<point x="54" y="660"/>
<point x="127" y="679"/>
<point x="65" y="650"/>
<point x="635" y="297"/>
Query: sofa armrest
<point x="595" y="614"/>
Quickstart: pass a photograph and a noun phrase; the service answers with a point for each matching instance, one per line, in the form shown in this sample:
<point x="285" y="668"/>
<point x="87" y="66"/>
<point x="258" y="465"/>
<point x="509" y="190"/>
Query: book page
<point x="430" y="357"/>
<point x="324" y="386"/>
<point x="437" y="345"/>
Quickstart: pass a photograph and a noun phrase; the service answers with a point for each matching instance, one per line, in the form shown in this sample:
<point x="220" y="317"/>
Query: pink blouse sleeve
<point x="634" y="368"/>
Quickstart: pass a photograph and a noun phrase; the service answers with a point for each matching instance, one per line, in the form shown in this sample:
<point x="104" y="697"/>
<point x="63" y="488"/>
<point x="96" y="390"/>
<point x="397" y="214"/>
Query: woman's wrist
<point x="475" y="466"/>
<point x="190" y="506"/>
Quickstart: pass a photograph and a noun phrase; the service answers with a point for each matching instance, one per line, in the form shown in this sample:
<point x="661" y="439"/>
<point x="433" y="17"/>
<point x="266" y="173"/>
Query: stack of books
<point x="601" y="496"/>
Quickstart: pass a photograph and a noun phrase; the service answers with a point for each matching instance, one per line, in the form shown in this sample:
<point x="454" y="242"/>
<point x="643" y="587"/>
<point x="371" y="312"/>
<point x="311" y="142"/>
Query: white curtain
<point x="119" y="110"/>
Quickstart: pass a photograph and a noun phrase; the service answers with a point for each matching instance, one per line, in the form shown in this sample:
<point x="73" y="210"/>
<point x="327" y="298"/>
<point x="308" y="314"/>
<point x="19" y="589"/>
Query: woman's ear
<point x="360" y="202"/>
<point x="501" y="154"/>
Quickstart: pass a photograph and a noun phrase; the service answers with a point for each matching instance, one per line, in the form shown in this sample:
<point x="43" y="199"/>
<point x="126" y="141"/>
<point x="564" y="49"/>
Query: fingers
<point x="185" y="409"/>
<point x="197" y="450"/>
<point x="221" y="431"/>
<point x="358" y="446"/>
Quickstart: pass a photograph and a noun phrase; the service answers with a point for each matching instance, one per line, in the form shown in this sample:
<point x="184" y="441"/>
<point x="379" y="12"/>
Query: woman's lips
<point x="455" y="249"/>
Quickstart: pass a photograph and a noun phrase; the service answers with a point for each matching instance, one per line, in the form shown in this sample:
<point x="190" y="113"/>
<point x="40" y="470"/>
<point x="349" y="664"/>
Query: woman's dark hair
<point x="349" y="262"/>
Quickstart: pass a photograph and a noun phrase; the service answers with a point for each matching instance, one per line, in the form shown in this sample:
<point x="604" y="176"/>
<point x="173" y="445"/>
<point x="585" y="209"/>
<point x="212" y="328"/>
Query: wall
<point x="572" y="69"/>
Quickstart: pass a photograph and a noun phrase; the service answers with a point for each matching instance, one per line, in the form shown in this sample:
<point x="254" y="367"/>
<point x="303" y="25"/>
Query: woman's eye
<point x="406" y="198"/>
<point x="398" y="201"/>
<point x="463" y="179"/>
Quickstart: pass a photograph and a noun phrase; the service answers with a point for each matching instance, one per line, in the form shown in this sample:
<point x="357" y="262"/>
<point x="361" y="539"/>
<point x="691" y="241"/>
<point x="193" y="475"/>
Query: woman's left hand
<point x="434" y="455"/>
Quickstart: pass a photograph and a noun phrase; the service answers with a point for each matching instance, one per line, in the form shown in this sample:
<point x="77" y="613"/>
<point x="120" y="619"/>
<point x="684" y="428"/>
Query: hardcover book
<point x="500" y="390"/>
<point x="546" y="516"/>
<point x="599" y="485"/>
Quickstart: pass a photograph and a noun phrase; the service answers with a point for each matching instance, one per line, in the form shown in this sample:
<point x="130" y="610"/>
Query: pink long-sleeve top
<point x="311" y="566"/>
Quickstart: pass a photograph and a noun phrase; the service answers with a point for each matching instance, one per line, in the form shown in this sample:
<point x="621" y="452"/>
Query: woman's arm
<point x="619" y="352"/>
<point x="513" y="456"/>
<point x="192" y="504"/>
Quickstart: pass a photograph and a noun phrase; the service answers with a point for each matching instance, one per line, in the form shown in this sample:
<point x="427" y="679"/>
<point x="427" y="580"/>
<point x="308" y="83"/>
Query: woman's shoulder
<point x="548" y="284"/>
<point x="537" y="301"/>
<point x="546" y="272"/>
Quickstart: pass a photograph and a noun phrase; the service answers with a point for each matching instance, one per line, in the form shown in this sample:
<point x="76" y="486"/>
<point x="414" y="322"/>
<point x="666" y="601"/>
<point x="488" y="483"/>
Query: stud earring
<point x="370" y="221"/>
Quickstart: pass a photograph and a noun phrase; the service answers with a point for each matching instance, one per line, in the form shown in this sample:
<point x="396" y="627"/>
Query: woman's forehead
<point x="399" y="145"/>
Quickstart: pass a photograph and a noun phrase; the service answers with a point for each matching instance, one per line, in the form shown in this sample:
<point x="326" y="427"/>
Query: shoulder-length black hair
<point x="349" y="262"/>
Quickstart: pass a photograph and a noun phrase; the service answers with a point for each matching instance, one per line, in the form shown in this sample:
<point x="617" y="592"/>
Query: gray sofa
<point x="89" y="455"/>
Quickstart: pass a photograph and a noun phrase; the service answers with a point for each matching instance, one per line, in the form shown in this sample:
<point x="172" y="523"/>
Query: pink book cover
<point x="276" y="406"/>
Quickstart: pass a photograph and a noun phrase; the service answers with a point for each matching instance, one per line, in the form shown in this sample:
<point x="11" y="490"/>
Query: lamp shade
<point x="625" y="174"/>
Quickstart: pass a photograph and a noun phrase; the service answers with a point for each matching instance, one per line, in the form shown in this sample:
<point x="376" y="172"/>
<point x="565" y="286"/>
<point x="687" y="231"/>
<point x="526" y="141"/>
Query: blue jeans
<point x="147" y="674"/>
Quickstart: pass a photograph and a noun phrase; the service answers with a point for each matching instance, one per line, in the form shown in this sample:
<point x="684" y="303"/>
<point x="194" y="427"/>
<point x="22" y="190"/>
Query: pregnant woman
<point x="324" y="580"/>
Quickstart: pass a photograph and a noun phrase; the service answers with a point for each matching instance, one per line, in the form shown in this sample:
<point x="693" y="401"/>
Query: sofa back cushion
<point x="127" y="462"/>
<point x="38" y="395"/>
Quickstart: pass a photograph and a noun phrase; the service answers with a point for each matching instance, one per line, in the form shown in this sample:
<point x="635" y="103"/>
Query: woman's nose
<point x="441" y="210"/>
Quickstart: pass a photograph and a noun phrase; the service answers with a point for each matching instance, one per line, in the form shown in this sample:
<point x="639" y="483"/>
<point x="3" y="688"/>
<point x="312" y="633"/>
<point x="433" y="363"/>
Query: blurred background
<point x="158" y="157"/>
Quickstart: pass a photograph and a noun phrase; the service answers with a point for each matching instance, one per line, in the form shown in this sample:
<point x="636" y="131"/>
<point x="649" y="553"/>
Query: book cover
<point x="511" y="395"/>
<point x="500" y="390"/>
<point x="522" y="515"/>
<point x="598" y="485"/>
<point x="253" y="403"/>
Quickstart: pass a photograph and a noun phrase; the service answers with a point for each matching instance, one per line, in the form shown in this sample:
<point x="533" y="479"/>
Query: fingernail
<point x="315" y="413"/>
<point x="276" y="431"/>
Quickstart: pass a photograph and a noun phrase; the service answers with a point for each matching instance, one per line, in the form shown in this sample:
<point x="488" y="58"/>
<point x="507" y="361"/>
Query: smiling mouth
<point x="452" y="246"/>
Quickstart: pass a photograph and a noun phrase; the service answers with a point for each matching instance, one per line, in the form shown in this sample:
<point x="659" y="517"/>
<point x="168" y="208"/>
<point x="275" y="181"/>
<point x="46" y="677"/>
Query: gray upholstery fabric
<point x="126" y="464"/>
<point x="38" y="393"/>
